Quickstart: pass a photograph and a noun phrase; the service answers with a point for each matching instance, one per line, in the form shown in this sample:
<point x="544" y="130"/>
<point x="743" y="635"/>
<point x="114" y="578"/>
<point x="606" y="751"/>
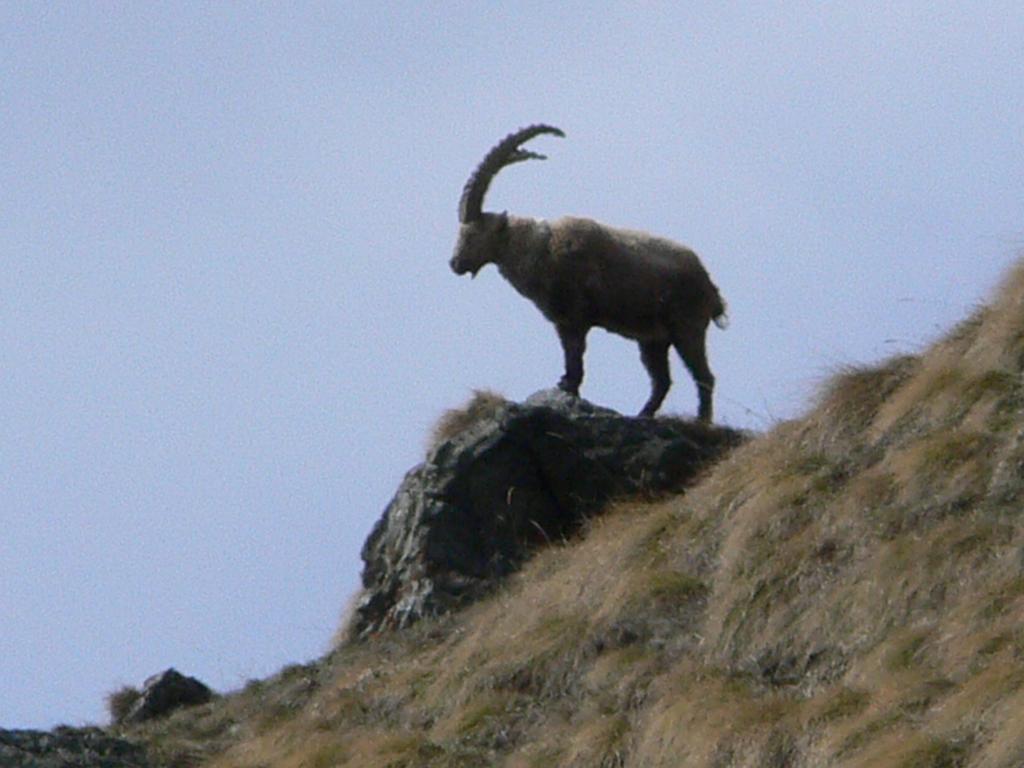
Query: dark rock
<point x="68" y="748"/>
<point x="164" y="693"/>
<point x="526" y="475"/>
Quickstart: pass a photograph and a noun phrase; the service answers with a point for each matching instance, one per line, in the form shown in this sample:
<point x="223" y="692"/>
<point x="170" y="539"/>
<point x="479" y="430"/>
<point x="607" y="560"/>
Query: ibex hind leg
<point x="691" y="348"/>
<point x="654" y="355"/>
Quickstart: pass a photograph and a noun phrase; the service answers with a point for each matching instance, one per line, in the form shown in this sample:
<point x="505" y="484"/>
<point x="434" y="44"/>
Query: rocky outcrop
<point x="68" y="748"/>
<point x="519" y="477"/>
<point x="165" y="692"/>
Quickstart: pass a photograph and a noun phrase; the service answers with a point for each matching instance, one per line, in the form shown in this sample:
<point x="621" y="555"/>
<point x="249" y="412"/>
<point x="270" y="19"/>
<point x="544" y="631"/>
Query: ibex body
<point x="582" y="274"/>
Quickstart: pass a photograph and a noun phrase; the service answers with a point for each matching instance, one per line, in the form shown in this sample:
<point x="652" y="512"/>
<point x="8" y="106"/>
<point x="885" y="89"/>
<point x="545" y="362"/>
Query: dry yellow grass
<point x="483" y="404"/>
<point x="846" y="590"/>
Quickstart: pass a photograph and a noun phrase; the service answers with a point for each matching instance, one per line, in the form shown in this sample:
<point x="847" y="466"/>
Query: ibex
<point x="582" y="274"/>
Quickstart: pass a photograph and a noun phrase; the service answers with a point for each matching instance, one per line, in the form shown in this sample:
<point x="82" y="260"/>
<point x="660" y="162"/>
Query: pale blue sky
<point x="226" y="317"/>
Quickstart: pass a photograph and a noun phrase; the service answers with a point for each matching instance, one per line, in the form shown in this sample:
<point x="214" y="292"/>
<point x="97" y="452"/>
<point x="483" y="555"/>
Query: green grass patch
<point x="610" y="743"/>
<point x="923" y="696"/>
<point x="477" y="715"/>
<point x="937" y="753"/>
<point x="1000" y="601"/>
<point x="864" y="736"/>
<point x="544" y="664"/>
<point x="983" y="536"/>
<point x="271" y="717"/>
<point x="674" y="587"/>
<point x="824" y="475"/>
<point x="854" y="395"/>
<point x="545" y="756"/>
<point x="421" y="682"/>
<point x="558" y="631"/>
<point x="992" y="382"/>
<point x="950" y="378"/>
<point x="650" y="550"/>
<point x="846" y="702"/>
<point x="328" y="756"/>
<point x="904" y="653"/>
<point x="996" y="643"/>
<point x="949" y="449"/>
<point x="409" y="750"/>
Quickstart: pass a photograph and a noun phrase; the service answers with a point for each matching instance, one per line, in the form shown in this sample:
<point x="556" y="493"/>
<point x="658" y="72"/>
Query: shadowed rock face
<point x="525" y="476"/>
<point x="166" y="692"/>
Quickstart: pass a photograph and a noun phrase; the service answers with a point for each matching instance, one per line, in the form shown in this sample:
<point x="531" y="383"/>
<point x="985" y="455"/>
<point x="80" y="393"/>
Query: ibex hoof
<point x="569" y="388"/>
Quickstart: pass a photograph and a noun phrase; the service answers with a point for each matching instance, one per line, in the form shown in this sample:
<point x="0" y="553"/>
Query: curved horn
<point x="505" y="152"/>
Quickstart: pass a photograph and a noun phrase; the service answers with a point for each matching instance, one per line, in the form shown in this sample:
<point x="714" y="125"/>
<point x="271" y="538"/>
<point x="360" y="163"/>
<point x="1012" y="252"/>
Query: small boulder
<point x="165" y="692"/>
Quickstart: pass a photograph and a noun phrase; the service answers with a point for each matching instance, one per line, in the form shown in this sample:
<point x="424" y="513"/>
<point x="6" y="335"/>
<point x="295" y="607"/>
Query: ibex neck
<point x="524" y="251"/>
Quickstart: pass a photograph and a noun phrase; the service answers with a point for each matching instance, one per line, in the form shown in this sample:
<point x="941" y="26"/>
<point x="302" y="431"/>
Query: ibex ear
<point x="502" y="221"/>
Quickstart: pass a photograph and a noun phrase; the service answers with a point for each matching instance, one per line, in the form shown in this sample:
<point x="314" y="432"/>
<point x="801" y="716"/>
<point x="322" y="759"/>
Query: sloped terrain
<point x="846" y="590"/>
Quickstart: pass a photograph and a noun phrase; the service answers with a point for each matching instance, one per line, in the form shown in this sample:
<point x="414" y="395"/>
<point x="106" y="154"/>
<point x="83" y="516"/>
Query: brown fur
<point x="582" y="274"/>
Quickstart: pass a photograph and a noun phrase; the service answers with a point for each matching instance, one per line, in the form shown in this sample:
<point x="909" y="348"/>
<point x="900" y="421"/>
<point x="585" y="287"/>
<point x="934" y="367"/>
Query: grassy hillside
<point x="846" y="590"/>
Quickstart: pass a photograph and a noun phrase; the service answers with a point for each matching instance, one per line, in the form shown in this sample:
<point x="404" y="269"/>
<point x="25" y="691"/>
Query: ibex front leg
<point x="574" y="344"/>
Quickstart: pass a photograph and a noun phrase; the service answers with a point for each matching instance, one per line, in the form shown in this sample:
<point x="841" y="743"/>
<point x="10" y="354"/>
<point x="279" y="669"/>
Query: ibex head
<point x="480" y="234"/>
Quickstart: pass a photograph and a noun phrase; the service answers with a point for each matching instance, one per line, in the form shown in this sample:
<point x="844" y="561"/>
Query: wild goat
<point x="581" y="273"/>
